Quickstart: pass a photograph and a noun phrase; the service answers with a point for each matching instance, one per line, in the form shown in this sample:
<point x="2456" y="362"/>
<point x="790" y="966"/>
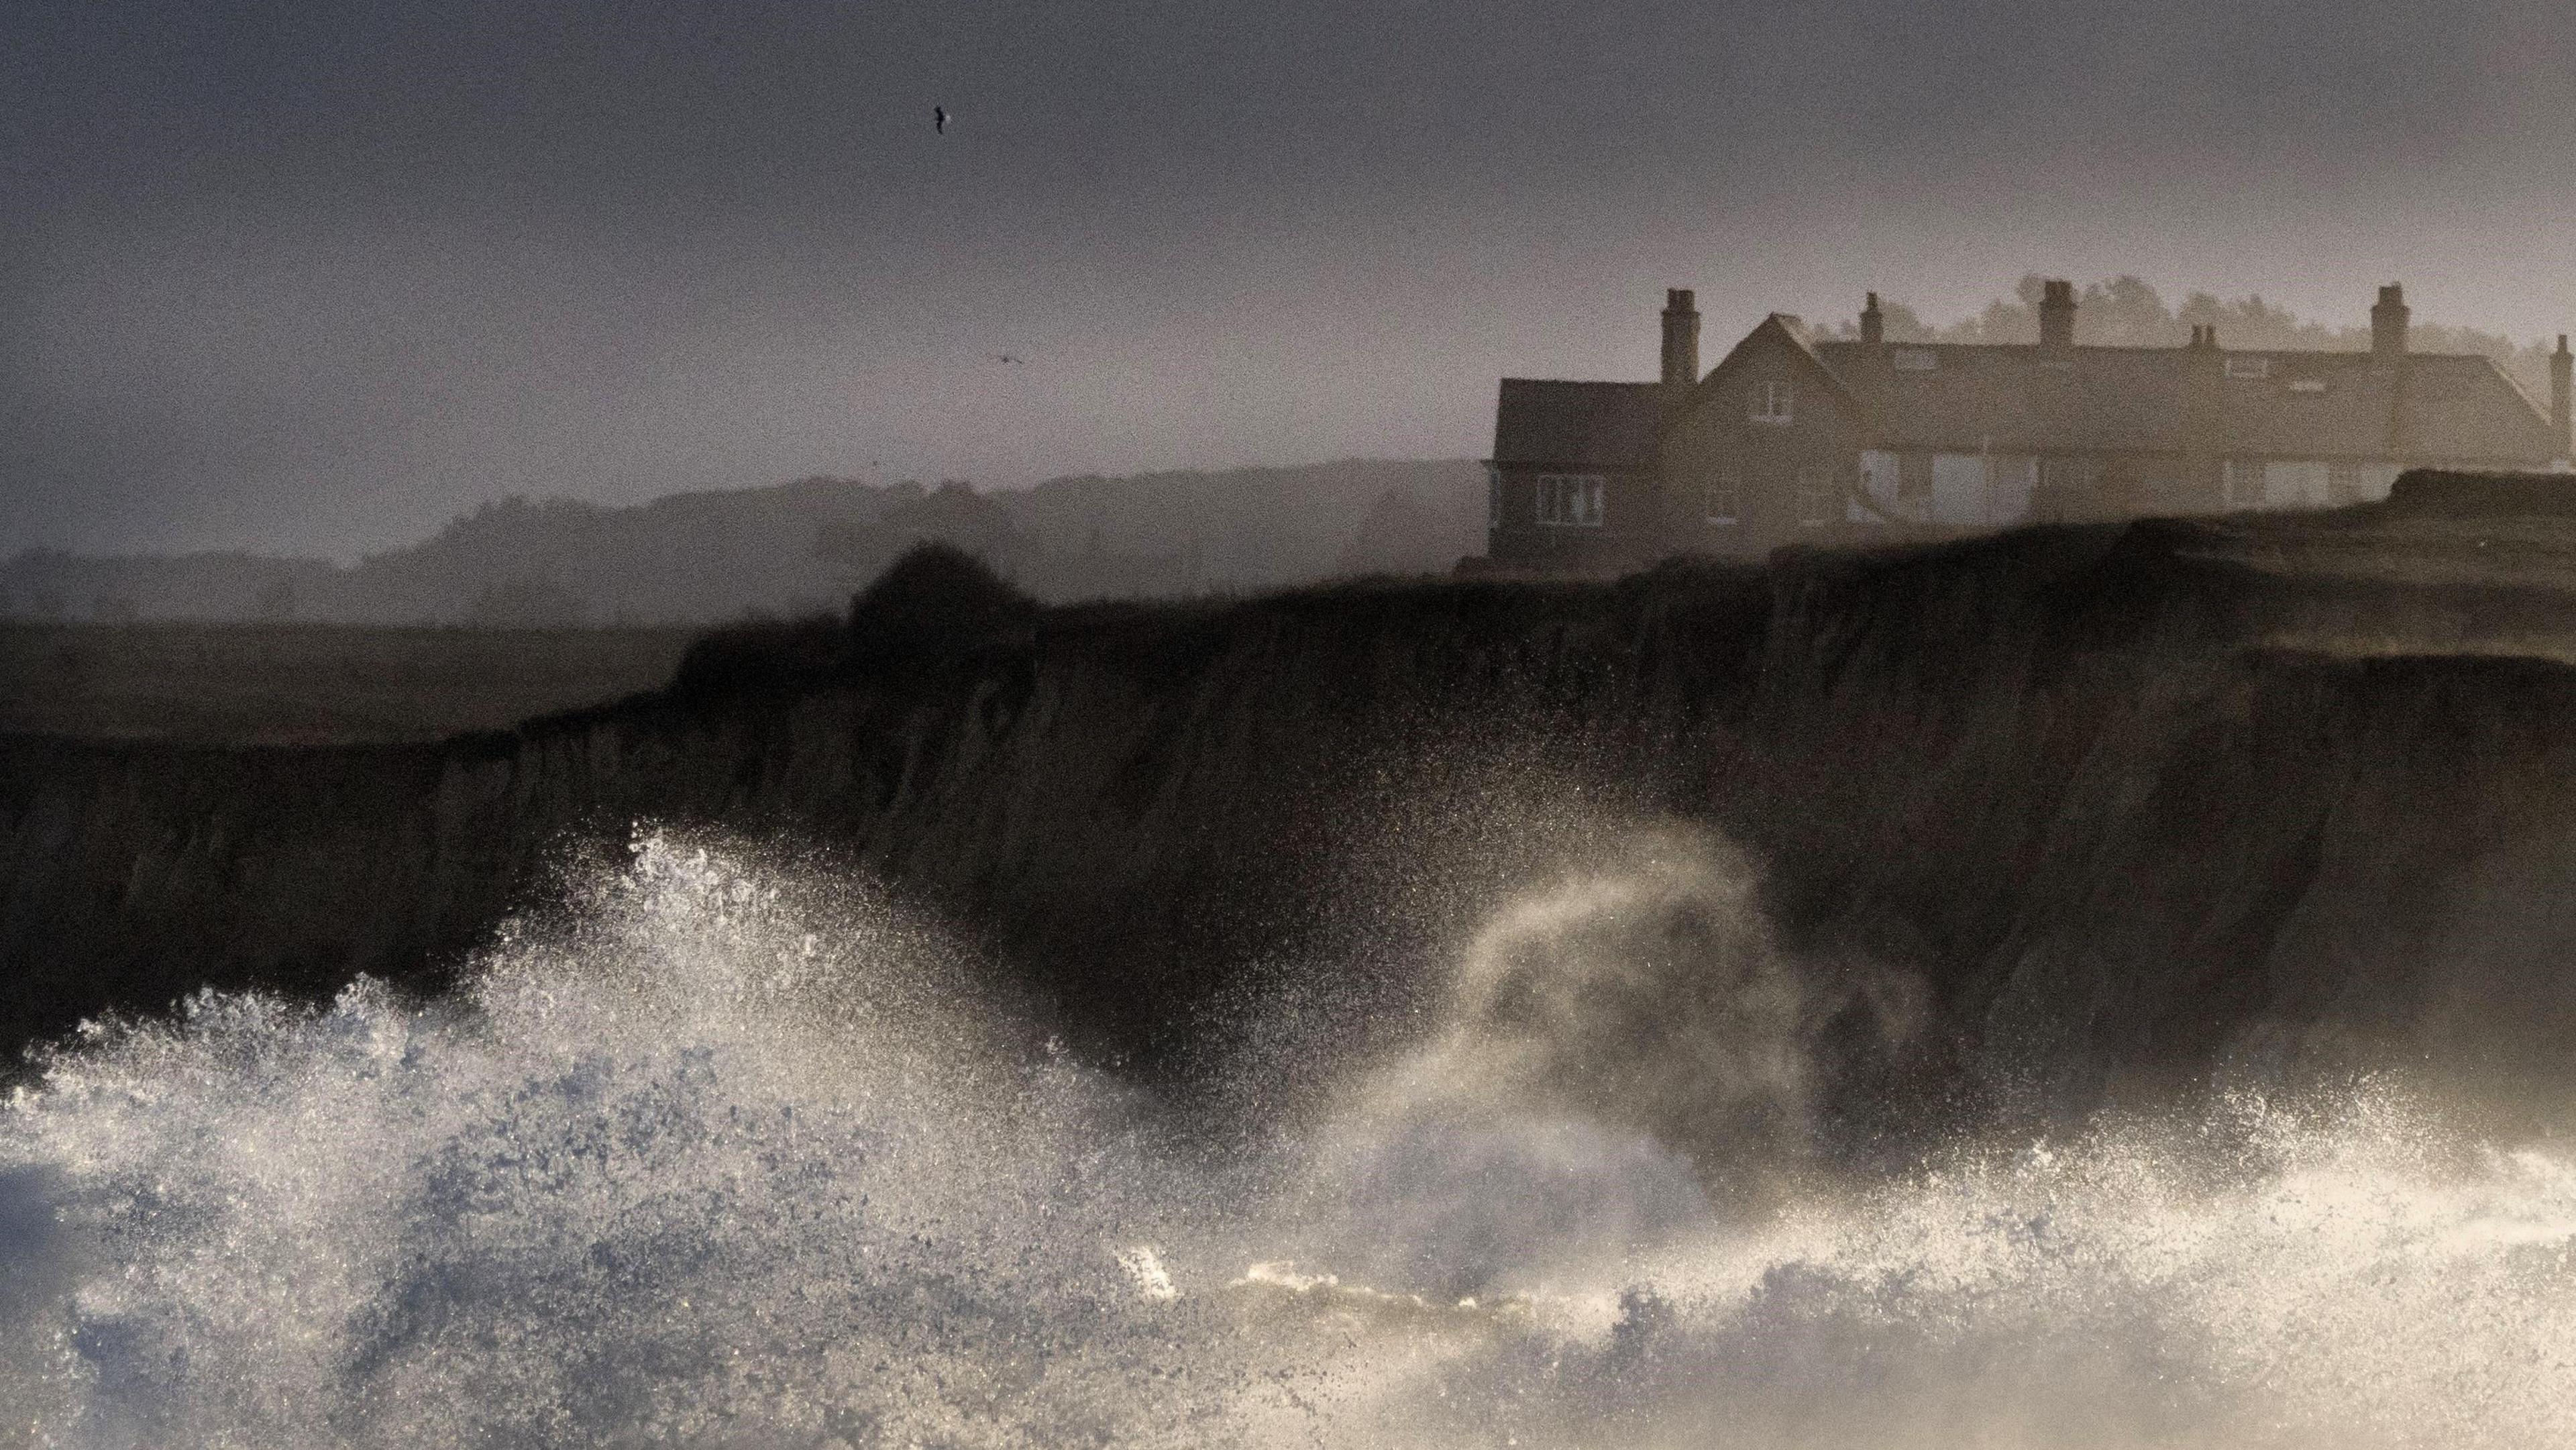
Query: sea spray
<point x="712" y="1160"/>
<point x="725" y="1153"/>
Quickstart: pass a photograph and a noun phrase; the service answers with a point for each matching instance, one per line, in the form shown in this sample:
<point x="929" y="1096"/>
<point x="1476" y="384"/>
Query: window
<point x="2307" y="385"/>
<point x="1571" y="500"/>
<point x="2249" y="367"/>
<point x="1773" y="402"/>
<point x="1913" y="477"/>
<point x="1915" y="359"/>
<point x="2244" y="482"/>
<point x="2010" y="481"/>
<point x="1493" y="498"/>
<point x="1815" y="497"/>
<point x="1725" y="495"/>
<point x="2343" y="483"/>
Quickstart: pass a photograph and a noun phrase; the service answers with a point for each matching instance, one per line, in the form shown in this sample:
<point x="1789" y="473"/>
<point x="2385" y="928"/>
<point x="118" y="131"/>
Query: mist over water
<point x="725" y="1152"/>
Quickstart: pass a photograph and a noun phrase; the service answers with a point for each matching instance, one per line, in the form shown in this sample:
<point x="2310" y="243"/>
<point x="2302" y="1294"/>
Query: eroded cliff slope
<point x="2126" y="804"/>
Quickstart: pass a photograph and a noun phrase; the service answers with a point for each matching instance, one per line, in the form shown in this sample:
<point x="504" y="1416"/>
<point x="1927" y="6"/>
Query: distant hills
<point x="794" y="547"/>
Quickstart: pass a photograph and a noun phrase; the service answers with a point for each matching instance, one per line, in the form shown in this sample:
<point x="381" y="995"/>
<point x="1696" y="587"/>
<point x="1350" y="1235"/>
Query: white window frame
<point x="1815" y="497"/>
<point x="2235" y="472"/>
<point x="1722" y="502"/>
<point x="1774" y="402"/>
<point x="1571" y="500"/>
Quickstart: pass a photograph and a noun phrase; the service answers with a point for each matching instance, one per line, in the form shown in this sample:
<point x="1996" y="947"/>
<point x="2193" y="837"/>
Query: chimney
<point x="2388" y="324"/>
<point x="2562" y="372"/>
<point x="1681" y="338"/>
<point x="2057" y="314"/>
<point x="2204" y="422"/>
<point x="1873" y="323"/>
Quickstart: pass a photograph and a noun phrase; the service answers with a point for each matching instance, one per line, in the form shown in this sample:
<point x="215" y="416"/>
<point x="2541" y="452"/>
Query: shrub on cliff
<point x="761" y="654"/>
<point x="934" y="604"/>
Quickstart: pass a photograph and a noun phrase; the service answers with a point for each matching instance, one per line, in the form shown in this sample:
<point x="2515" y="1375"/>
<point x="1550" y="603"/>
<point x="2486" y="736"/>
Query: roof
<point x="2132" y="399"/>
<point x="1576" y="425"/>
<point x="1785" y="331"/>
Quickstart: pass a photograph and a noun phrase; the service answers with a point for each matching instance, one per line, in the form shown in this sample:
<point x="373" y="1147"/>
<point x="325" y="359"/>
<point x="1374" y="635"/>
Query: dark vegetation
<point x="2489" y="499"/>
<point x="935" y="607"/>
<point x="936" y="603"/>
<point x="763" y="655"/>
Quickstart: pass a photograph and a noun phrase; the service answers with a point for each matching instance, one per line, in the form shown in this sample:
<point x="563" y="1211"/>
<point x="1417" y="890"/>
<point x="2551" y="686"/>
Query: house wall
<point x="2312" y="483"/>
<point x="2377" y="479"/>
<point x="2294" y="483"/>
<point x="1720" y="437"/>
<point x="2156" y="484"/>
<point x="2094" y="487"/>
<point x="1982" y="490"/>
<point x="1630" y="530"/>
<point x="2290" y="483"/>
<point x="1968" y="490"/>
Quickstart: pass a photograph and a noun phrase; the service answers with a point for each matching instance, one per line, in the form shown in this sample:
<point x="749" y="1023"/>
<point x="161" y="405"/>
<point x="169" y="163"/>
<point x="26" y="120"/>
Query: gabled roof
<point x="1539" y="421"/>
<point x="2027" y="399"/>
<point x="1790" y="335"/>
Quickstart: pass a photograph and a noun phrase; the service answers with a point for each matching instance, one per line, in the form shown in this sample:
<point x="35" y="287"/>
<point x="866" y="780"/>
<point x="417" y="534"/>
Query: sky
<point x="315" y="278"/>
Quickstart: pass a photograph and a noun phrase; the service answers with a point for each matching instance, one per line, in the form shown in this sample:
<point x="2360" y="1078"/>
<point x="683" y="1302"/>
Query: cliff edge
<point x="2131" y="804"/>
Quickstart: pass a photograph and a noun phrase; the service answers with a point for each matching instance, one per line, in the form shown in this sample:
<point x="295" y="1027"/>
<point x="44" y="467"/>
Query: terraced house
<point x="1792" y="438"/>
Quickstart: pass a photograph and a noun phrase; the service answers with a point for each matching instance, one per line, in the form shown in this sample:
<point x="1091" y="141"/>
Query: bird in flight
<point x="1004" y="357"/>
<point x="939" y="119"/>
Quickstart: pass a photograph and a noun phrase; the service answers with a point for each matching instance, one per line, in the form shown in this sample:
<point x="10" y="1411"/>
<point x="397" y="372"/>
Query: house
<point x="1793" y="438"/>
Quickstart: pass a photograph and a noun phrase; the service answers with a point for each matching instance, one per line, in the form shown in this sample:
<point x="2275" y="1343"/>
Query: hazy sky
<point x="316" y="277"/>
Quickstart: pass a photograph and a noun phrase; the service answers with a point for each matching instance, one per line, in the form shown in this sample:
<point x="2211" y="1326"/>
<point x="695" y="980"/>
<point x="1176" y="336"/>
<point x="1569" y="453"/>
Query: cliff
<point x="2128" y="803"/>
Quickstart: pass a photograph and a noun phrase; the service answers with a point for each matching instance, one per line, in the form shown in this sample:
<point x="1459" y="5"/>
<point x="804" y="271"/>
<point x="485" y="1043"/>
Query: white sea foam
<point x="721" y="1158"/>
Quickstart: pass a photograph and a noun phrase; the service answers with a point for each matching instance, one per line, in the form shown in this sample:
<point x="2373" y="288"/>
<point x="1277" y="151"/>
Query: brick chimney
<point x="2204" y="430"/>
<point x="2562" y="372"/>
<point x="2057" y="314"/>
<point x="1873" y="323"/>
<point x="1681" y="338"/>
<point x="2388" y="324"/>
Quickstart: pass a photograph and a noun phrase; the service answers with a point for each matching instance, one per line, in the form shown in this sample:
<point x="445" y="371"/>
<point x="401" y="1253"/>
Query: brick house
<point x="1792" y="438"/>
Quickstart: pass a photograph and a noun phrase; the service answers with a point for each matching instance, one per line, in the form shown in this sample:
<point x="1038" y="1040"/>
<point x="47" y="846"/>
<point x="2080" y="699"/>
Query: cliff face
<point x="2127" y="803"/>
<point x="2136" y="820"/>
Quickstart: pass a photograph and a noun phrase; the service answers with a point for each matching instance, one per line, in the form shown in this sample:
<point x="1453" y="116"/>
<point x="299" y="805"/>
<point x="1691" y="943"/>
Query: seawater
<point x="722" y="1154"/>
